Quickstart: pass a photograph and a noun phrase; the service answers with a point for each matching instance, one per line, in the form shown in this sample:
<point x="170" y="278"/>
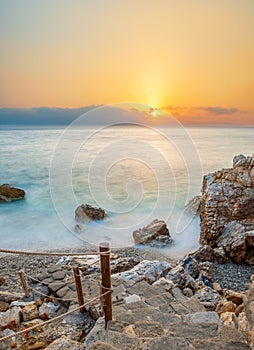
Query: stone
<point x="4" y="306"/>
<point x="9" y="194"/>
<point x="188" y="292"/>
<point x="40" y="291"/>
<point x="208" y="297"/>
<point x="48" y="310"/>
<point x="249" y="238"/>
<point x="86" y="212"/>
<point x="232" y="240"/>
<point x="147" y="270"/>
<point x="191" y="266"/>
<point x="132" y="298"/>
<point x="204" y="253"/>
<point x="153" y="231"/>
<point x="225" y="306"/>
<point x="235" y="297"/>
<point x="192" y="207"/>
<point x="10" y="319"/>
<point x="164" y="283"/>
<point x="226" y="208"/>
<point x="99" y="345"/>
<point x="216" y="286"/>
<point x="181" y="278"/>
<point x="250" y="258"/>
<point x="65" y="343"/>
<point x="220" y="255"/>
<point x="8" y="297"/>
<point x="148" y="329"/>
<point x="54" y="286"/>
<point x="59" y="275"/>
<point x="29" y="312"/>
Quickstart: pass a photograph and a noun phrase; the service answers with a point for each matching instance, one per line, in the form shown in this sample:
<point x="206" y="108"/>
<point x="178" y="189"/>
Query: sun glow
<point x="155" y="113"/>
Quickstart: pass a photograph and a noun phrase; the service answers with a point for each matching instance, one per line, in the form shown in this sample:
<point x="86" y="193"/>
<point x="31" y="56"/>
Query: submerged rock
<point x="9" y="194"/>
<point x="156" y="234"/>
<point x="86" y="212"/>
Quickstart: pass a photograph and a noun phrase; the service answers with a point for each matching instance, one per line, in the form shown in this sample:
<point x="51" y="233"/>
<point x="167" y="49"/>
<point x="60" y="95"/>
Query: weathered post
<point x="79" y="288"/>
<point x="24" y="284"/>
<point x="106" y="281"/>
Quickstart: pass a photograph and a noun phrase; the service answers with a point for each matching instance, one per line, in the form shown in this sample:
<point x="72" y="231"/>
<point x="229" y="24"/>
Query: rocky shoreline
<point x="203" y="301"/>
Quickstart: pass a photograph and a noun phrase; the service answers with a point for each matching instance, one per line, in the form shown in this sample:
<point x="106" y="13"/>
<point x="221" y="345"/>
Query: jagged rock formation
<point x="86" y="212"/>
<point x="156" y="234"/>
<point x="227" y="209"/>
<point x="193" y="206"/>
<point x="9" y="194"/>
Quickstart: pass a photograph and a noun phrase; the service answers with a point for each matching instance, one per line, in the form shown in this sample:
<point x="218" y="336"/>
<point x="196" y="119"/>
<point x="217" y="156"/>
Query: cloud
<point x="201" y="110"/>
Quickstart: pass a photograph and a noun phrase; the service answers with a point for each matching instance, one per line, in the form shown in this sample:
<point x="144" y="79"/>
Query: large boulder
<point x="155" y="232"/>
<point x="86" y="212"/>
<point x="227" y="210"/>
<point x="9" y="194"/>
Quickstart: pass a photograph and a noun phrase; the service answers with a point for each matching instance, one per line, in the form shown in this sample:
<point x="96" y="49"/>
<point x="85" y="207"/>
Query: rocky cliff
<point x="227" y="209"/>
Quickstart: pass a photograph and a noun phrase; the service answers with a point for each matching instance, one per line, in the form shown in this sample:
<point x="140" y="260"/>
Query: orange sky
<point x="191" y="57"/>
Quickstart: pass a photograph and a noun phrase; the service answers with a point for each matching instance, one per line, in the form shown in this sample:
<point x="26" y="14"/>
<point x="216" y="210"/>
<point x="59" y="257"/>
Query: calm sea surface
<point x="135" y="173"/>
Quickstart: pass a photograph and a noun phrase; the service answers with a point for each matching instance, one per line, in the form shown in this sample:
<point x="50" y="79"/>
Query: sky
<point x="192" y="58"/>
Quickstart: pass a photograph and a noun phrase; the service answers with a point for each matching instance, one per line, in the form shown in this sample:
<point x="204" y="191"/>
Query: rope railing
<point x="20" y="252"/>
<point x="105" y="295"/>
<point x="10" y="336"/>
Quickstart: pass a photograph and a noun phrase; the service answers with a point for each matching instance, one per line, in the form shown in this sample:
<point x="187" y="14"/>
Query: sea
<point x="135" y="173"/>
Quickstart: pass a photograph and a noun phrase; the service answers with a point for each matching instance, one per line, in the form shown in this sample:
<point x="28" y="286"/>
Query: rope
<point x="52" y="254"/>
<point x="51" y="320"/>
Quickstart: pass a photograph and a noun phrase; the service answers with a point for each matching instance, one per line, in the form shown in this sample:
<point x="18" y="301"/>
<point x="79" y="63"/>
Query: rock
<point x="225" y="306"/>
<point x="65" y="343"/>
<point x="132" y="298"/>
<point x="232" y="240"/>
<point x="192" y="207"/>
<point x="78" y="228"/>
<point x="156" y="230"/>
<point x="8" y="297"/>
<point x="239" y="161"/>
<point x="164" y="283"/>
<point x="10" y="319"/>
<point x="208" y="297"/>
<point x="181" y="278"/>
<point x="217" y="287"/>
<point x="188" y="292"/>
<point x="191" y="266"/>
<point x="250" y="258"/>
<point x="9" y="194"/>
<point x="54" y="286"/>
<point x="235" y="297"/>
<point x="4" y="306"/>
<point x="204" y="253"/>
<point x="220" y="255"/>
<point x="48" y="310"/>
<point x="150" y="271"/>
<point x="226" y="203"/>
<point x="29" y="312"/>
<point x="86" y="212"/>
<point x="249" y="238"/>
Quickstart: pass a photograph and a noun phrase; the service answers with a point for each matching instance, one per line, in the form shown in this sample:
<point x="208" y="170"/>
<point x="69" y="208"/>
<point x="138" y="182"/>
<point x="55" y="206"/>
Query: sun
<point x="155" y="113"/>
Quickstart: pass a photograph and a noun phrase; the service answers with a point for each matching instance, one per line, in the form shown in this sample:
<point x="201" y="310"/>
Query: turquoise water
<point x="135" y="173"/>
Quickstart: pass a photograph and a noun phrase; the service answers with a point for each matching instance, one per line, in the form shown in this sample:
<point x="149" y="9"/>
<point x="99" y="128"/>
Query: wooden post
<point x="106" y="281"/>
<point x="79" y="288"/>
<point x="24" y="284"/>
